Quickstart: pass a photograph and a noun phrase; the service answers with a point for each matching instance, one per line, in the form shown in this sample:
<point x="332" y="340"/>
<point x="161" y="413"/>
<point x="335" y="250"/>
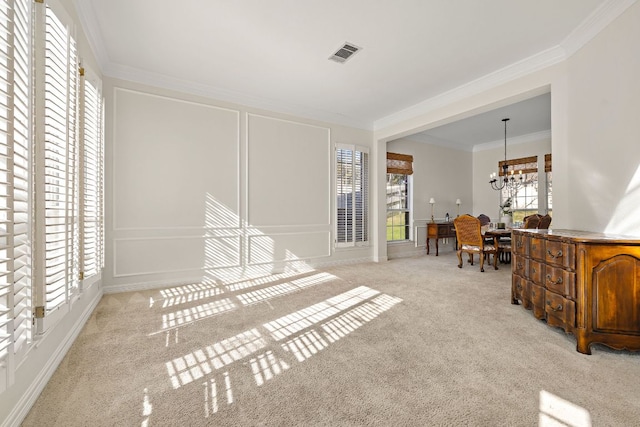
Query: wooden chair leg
<point x="459" y="259"/>
<point x="495" y="261"/>
<point x="482" y="256"/>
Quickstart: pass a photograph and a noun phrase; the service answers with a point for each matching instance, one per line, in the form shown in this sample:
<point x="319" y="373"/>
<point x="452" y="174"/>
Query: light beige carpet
<point x="414" y="342"/>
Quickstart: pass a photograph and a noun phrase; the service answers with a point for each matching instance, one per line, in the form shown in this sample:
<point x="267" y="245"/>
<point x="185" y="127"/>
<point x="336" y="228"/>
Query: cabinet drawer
<point x="521" y="245"/>
<point x="537" y="300"/>
<point x="536" y="248"/>
<point x="520" y="266"/>
<point x="536" y="272"/>
<point x="518" y="284"/>
<point x="560" y="311"/>
<point x="560" y="281"/>
<point x="560" y="254"/>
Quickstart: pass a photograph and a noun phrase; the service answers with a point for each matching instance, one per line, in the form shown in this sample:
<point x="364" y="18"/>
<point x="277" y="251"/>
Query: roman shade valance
<point x="524" y="164"/>
<point x="547" y="162"/>
<point x="399" y="163"/>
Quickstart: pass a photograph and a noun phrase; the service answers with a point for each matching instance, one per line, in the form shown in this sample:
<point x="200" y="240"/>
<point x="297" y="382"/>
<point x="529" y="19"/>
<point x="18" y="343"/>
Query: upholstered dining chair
<point x="545" y="222"/>
<point x="531" y="221"/>
<point x="471" y="241"/>
<point x="484" y="219"/>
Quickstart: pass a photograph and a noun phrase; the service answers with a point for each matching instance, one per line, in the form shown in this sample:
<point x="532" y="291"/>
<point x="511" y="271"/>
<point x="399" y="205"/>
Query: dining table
<point x="501" y="235"/>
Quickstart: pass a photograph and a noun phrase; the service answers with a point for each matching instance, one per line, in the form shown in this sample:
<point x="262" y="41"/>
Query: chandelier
<point x="509" y="180"/>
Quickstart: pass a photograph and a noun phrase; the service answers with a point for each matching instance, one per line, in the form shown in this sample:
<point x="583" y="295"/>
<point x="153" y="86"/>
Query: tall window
<point x="399" y="171"/>
<point x="524" y="201"/>
<point x="91" y="189"/>
<point x="547" y="170"/>
<point x="352" y="195"/>
<point x="51" y="176"/>
<point x="15" y="185"/>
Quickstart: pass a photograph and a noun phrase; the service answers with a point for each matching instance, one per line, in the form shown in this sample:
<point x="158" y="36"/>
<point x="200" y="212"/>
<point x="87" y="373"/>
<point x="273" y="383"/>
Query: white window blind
<point x="60" y="163"/>
<point x="92" y="150"/>
<point x="15" y="184"/>
<point x="352" y="195"/>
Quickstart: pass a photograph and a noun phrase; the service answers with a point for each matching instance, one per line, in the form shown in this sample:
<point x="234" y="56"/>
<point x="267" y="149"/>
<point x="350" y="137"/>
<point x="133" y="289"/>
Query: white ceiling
<point x="274" y="54"/>
<point x="531" y="118"/>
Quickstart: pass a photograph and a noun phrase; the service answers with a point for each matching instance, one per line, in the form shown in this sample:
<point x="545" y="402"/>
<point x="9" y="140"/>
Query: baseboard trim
<point x="22" y="408"/>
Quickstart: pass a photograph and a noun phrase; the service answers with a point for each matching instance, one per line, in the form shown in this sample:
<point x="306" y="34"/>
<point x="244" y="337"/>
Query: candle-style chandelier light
<point x="509" y="180"/>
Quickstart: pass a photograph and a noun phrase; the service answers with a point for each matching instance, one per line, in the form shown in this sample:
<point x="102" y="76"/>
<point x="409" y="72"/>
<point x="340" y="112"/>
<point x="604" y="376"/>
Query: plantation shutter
<point x="91" y="174"/>
<point x="352" y="195"/>
<point x="58" y="185"/>
<point x="15" y="170"/>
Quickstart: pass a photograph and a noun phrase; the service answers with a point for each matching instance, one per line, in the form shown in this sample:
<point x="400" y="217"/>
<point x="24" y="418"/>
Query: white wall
<point x="200" y="190"/>
<point x="487" y="200"/>
<point x="603" y="160"/>
<point x="439" y="172"/>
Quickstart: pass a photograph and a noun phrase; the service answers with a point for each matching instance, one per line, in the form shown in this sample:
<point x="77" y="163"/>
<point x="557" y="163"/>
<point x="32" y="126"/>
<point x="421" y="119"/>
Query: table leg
<point x="427" y="246"/>
<point x="437" y="246"/>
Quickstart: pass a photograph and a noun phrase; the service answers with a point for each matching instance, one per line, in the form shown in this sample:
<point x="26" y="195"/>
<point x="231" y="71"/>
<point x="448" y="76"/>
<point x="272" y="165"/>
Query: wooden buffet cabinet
<point x="439" y="230"/>
<point x="586" y="283"/>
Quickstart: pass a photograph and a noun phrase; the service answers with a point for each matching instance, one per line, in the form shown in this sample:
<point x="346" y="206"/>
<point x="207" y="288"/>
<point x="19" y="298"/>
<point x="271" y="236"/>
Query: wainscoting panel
<point x="289" y="176"/>
<point x="142" y="256"/>
<point x="276" y="247"/>
<point x="175" y="162"/>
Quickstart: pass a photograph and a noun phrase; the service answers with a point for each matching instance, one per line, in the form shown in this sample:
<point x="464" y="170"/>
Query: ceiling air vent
<point x="344" y="53"/>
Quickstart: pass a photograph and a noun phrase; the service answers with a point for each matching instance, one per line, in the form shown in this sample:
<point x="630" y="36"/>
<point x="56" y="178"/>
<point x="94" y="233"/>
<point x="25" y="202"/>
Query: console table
<point x="586" y="283"/>
<point x="439" y="230"/>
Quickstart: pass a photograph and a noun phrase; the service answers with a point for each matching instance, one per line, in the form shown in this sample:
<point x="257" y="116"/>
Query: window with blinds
<point x="399" y="171"/>
<point x="60" y="164"/>
<point x="51" y="175"/>
<point x="549" y="173"/>
<point x="92" y="180"/>
<point x="352" y="196"/>
<point x="15" y="184"/>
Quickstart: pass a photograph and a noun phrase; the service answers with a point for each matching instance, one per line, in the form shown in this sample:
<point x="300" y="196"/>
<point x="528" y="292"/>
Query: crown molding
<point x="180" y="85"/>
<point x="91" y="29"/>
<point x="511" y="72"/>
<point x="604" y="15"/>
<point x="581" y="35"/>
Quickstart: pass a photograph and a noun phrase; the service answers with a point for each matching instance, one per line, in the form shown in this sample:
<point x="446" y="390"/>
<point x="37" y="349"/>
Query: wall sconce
<point x="458" y="202"/>
<point x="432" y="201"/>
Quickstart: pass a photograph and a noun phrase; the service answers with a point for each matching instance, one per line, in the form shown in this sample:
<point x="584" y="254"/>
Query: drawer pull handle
<point x="558" y="255"/>
<point x="519" y="287"/>
<point x="519" y="265"/>
<point x="519" y="244"/>
<point x="534" y="270"/>
<point x="557" y="282"/>
<point x="558" y="308"/>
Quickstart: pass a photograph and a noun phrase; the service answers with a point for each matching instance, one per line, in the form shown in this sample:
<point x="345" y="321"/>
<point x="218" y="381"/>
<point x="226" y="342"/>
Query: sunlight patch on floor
<point x="212" y="398"/>
<point x="295" y="322"/>
<point x="188" y="293"/>
<point x="266" y="366"/>
<point x="557" y="412"/>
<point x="189" y="315"/>
<point x="335" y="317"/>
<point x="351" y="320"/>
<point x="282" y="289"/>
<point x="186" y="369"/>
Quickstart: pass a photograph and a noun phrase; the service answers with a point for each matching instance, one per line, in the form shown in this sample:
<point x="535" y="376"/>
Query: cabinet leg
<point x="583" y="344"/>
